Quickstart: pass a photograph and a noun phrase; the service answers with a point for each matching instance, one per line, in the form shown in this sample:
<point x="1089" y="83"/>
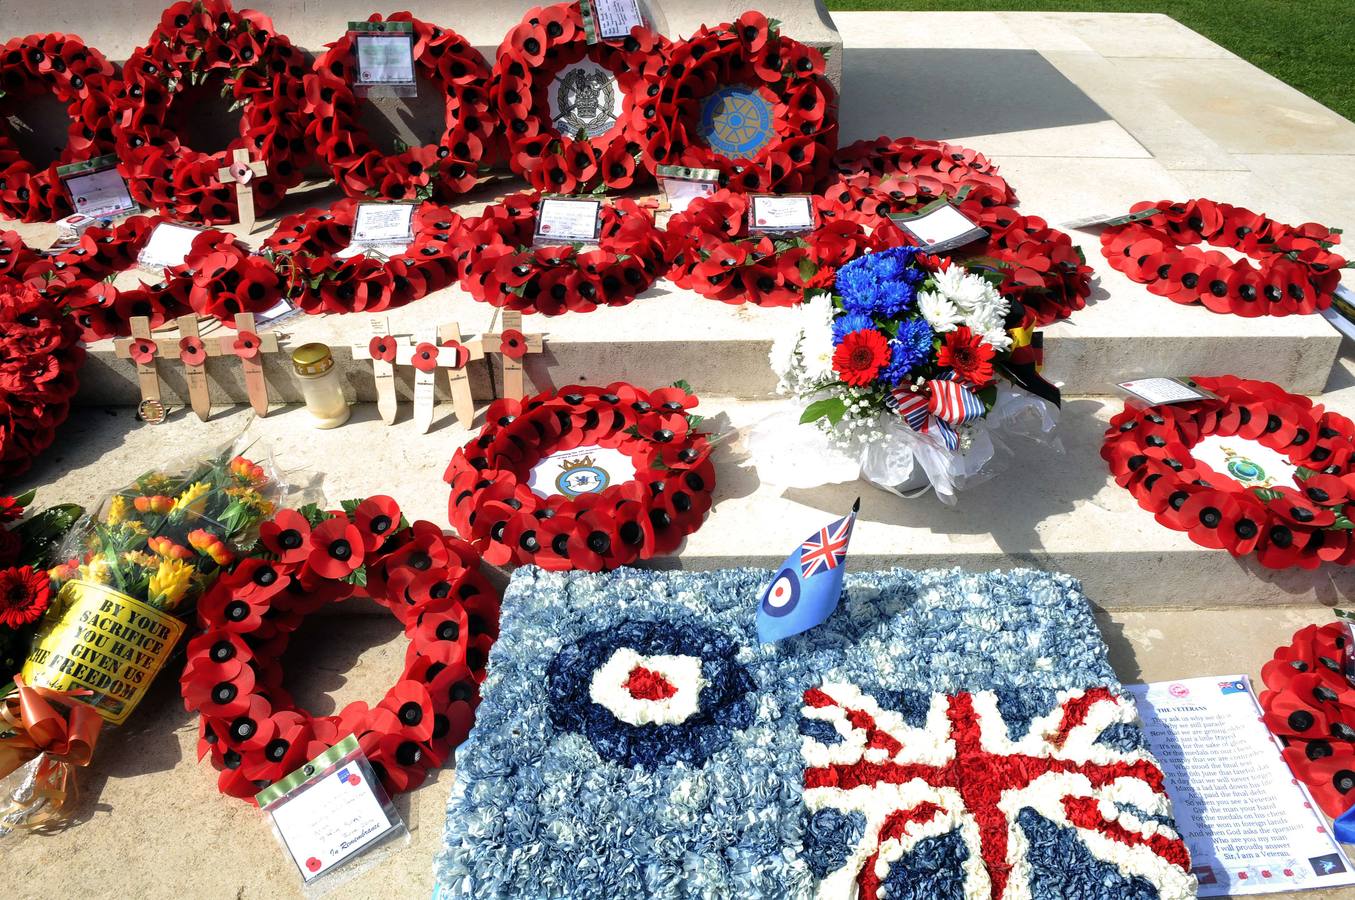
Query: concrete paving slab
<point x="1323" y="183"/>
<point x="931" y="30"/>
<point x="1045" y="32"/>
<point x="1140" y="35"/>
<point x="1241" y="108"/>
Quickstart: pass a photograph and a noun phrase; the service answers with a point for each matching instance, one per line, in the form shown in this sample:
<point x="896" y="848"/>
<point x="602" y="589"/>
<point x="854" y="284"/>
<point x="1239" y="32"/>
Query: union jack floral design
<point x="962" y="771"/>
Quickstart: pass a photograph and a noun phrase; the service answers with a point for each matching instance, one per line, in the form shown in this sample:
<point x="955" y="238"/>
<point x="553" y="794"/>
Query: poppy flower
<point x="337" y="548"/>
<point x="513" y="343"/>
<point x="376" y="519"/>
<point x="246" y="345"/>
<point x="426" y="357"/>
<point x="286" y="536"/>
<point x="192" y="351"/>
<point x="142" y="351"/>
<point x="460" y="353"/>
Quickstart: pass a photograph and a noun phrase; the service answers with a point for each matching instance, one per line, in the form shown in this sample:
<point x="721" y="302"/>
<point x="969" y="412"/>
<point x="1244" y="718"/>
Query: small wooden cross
<point x="249" y="347"/>
<point x="404" y="350"/>
<point x="511" y="359"/>
<point x="241" y="172"/>
<point x="458" y="376"/>
<point x="143" y="349"/>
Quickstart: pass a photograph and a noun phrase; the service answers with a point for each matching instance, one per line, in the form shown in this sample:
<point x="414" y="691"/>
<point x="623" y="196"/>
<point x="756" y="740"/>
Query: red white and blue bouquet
<point x="900" y="374"/>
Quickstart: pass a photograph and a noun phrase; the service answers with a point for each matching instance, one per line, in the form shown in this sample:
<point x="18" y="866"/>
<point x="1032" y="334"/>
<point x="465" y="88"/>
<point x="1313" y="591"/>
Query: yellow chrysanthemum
<point x="96" y="570"/>
<point x="193" y="500"/>
<point x="252" y="499"/>
<point x="169" y="583"/>
<point x="119" y="509"/>
<point x="137" y="558"/>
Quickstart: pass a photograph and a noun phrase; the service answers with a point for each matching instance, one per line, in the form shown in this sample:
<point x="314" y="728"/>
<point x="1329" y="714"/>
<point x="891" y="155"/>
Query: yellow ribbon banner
<point x="105" y="642"/>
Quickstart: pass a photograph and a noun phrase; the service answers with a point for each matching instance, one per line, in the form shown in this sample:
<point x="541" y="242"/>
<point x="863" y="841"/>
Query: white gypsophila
<point x="940" y="313"/>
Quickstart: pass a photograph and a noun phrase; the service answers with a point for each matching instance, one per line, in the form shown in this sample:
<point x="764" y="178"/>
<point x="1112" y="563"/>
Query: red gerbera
<point x="24" y="595"/>
<point x="968" y="354"/>
<point x="861" y="355"/>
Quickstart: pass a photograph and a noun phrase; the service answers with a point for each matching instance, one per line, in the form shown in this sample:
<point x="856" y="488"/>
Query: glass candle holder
<point x="320" y="385"/>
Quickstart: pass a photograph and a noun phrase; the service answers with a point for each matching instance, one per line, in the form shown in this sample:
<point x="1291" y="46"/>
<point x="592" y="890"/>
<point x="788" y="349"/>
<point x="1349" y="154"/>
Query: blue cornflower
<point x="910" y="349"/>
<point x="845" y="324"/>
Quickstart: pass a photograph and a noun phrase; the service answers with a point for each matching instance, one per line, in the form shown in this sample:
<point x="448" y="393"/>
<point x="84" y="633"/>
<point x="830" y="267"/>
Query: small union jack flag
<point x="828" y="548"/>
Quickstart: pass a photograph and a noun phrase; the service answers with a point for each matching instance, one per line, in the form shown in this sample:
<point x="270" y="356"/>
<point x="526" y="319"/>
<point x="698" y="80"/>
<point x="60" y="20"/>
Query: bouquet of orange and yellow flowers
<point x="136" y="568"/>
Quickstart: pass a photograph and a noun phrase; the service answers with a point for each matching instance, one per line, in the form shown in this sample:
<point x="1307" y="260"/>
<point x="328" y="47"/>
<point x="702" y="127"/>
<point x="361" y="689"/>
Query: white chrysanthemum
<point x="939" y="312"/>
<point x="816" y="347"/>
<point x="999" y="337"/>
<point x="785" y="347"/>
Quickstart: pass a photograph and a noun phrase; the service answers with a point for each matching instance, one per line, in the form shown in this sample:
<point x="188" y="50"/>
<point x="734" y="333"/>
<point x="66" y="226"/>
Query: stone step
<point x="1047" y="510"/>
<point x="669" y="333"/>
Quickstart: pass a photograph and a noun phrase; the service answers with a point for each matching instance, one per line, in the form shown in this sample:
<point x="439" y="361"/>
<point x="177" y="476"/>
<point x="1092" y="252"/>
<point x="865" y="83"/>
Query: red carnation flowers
<point x="441" y="170"/>
<point x="1290" y="271"/>
<point x="259" y="71"/>
<point x="24" y="595"/>
<point x="80" y="78"/>
<point x="600" y="521"/>
<point x="40" y="356"/>
<point x="571" y="110"/>
<point x="1299" y="518"/>
<point x="497" y="263"/>
<point x="737" y="80"/>
<point x="861" y="356"/>
<point x="432" y="584"/>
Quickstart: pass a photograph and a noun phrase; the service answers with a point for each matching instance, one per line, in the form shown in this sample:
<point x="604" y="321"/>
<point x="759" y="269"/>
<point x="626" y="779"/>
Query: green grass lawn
<point x="1308" y="43"/>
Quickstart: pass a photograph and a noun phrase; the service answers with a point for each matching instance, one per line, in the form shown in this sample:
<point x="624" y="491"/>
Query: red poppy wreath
<point x="571" y="110"/>
<point x="444" y="169"/>
<point x="40" y="358"/>
<point x="78" y="77"/>
<point x="497" y="263"/>
<point x="431" y="582"/>
<point x="1257" y="471"/>
<point x="15" y="255"/>
<point x="1310" y="706"/>
<point x="1295" y="270"/>
<point x="549" y="480"/>
<point x="164" y="85"/>
<point x="908" y="173"/>
<point x="747" y="101"/>
<point x="715" y="255"/>
<point x="322" y="282"/>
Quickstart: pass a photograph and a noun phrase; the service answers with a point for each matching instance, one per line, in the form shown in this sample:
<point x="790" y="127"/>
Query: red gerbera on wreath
<point x="784" y="127"/>
<point x="40" y="358"/>
<point x="1289" y="271"/>
<point x="558" y="141"/>
<point x="77" y="76"/>
<point x="449" y="167"/>
<point x="260" y="72"/>
<point x="861" y="356"/>
<point x="1258" y="470"/>
<point x="497" y="263"/>
<point x="586" y="516"/>
<point x="430" y="582"/>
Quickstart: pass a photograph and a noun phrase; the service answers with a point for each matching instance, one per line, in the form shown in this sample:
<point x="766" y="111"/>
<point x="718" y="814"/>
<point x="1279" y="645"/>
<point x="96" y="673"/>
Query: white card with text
<point x="1163" y="391"/>
<point x="99" y="193"/>
<point x="385" y="58"/>
<point x="564" y="221"/>
<point x="383" y="223"/>
<point x="941" y="228"/>
<point x="167" y="246"/>
<point x="682" y="191"/>
<point x="771" y="213"/>
<point x="615" y="18"/>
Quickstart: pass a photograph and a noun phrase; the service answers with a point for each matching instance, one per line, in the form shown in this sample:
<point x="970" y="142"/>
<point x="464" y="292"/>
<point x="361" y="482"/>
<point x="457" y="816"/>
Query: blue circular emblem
<point x="586" y="479"/>
<point x="724" y="704"/>
<point x="736" y="121"/>
<point x="782" y="594"/>
<point x="1244" y="469"/>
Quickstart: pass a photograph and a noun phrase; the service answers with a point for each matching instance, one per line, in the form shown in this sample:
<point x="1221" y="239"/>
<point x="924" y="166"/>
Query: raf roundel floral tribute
<point x="1310" y="705"/>
<point x="570" y="109"/>
<point x="40" y="360"/>
<point x="1290" y="270"/>
<point x="198" y="48"/>
<point x="442" y="170"/>
<point x="745" y="100"/>
<point x="79" y="78"/>
<point x="508" y="501"/>
<point x="1257" y="470"/>
<point x="896" y="369"/>
<point x="252" y="728"/>
<point x="498" y="264"/>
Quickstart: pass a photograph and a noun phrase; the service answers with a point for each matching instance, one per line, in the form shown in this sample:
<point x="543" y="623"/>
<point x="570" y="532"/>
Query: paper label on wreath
<point x="584" y="99"/>
<point x="330" y="810"/>
<point x="605" y="19"/>
<point x="565" y="221"/>
<point x="1249" y="463"/>
<point x="1341" y="314"/>
<point x="583" y="470"/>
<point x="939" y="227"/>
<point x="103" y="641"/>
<point x="737" y="121"/>
<point x="780" y="215"/>
<point x="1110" y="221"/>
<point x="681" y="185"/>
<point x="385" y="63"/>
<point x="167" y="246"/>
<point x="384" y="225"/>
<point x="1165" y="391"/>
<point x="96" y="188"/>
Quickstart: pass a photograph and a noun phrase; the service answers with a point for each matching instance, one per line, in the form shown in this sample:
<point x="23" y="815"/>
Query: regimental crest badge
<point x="1247" y="471"/>
<point x="581" y="476"/>
<point x="585" y="101"/>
